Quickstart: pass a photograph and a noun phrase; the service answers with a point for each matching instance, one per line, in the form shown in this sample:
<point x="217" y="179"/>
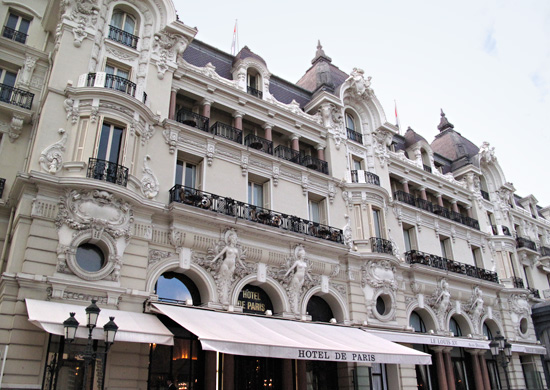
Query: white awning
<point x="529" y="348"/>
<point x="249" y="335"/>
<point x="415" y="338"/>
<point x="132" y="327"/>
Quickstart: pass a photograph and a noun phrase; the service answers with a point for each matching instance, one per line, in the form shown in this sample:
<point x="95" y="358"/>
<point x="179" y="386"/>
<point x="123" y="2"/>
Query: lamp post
<point x="501" y="350"/>
<point x="70" y="326"/>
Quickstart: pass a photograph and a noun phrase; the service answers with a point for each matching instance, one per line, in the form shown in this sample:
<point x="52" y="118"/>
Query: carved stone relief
<point x="149" y="182"/>
<point x="51" y="158"/>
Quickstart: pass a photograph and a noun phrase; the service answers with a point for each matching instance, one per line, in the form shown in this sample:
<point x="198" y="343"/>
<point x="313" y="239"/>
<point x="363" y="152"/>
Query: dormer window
<point x="16" y="28"/>
<point x="123" y="28"/>
<point x="353" y="131"/>
<point x="253" y="83"/>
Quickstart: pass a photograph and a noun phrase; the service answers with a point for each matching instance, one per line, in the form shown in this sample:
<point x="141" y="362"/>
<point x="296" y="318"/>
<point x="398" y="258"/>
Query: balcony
<point x="2" y="185"/>
<point x="254" y="92"/>
<point x="484" y="194"/>
<point x="525" y="243"/>
<point x="107" y="171"/>
<point x="114" y="82"/>
<point x="380" y="245"/>
<point x="314" y="163"/>
<point x="228" y="132"/>
<point x="544" y="251"/>
<point x="14" y="35"/>
<point x="287" y="154"/>
<point x="424" y="205"/>
<point x="427" y="168"/>
<point x="16" y="96"/>
<point x="517" y="282"/>
<point x="442" y="211"/>
<point x="259" y="143"/>
<point x="404" y="197"/>
<point x="227" y="206"/>
<point x="417" y="257"/>
<point x="189" y="118"/>
<point x="354" y="135"/>
<point x="360" y="176"/>
<point x="123" y="37"/>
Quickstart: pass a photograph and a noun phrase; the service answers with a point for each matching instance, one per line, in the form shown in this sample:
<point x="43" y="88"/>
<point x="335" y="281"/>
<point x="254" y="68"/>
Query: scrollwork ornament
<point x="51" y="158"/>
<point x="149" y="182"/>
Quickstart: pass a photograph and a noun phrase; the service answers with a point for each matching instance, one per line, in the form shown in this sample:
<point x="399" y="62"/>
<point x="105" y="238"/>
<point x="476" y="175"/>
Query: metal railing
<point x="114" y="82"/>
<point x="228" y="206"/>
<point x="354" y="135"/>
<point x="121" y="36"/>
<point x="442" y="211"/>
<point x="417" y="257"/>
<point x="189" y="118"/>
<point x="525" y="243"/>
<point x="2" y="185"/>
<point x="14" y="35"/>
<point x="259" y="143"/>
<point x="287" y="153"/>
<point x="517" y="282"/>
<point x="404" y="197"/>
<point x="381" y="245"/>
<point x="544" y="251"/>
<point x="370" y="178"/>
<point x="314" y="163"/>
<point x="254" y="92"/>
<point x="484" y="194"/>
<point x="229" y="132"/>
<point x="16" y="96"/>
<point x="107" y="171"/>
<point x="424" y="204"/>
<point x="427" y="168"/>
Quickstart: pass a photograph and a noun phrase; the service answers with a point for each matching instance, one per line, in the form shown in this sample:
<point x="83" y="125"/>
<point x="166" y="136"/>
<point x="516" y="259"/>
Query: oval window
<point x="90" y="257"/>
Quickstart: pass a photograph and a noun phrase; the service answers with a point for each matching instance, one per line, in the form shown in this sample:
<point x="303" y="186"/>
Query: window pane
<point x="117" y="20"/>
<point x="407" y="237"/>
<point x="9" y="78"/>
<point x="443" y="249"/>
<point x="258" y="195"/>
<point x="24" y="26"/>
<point x="376" y="219"/>
<point x="115" y="145"/>
<point x="314" y="211"/>
<point x="350" y="123"/>
<point x="12" y="21"/>
<point x="179" y="172"/>
<point x="129" y="25"/>
<point x="190" y="175"/>
<point x="122" y="73"/>
<point x="104" y="142"/>
<point x="357" y="165"/>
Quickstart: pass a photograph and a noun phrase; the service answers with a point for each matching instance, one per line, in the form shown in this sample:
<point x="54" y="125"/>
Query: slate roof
<point x="451" y="144"/>
<point x="245" y="52"/>
<point x="412" y="137"/>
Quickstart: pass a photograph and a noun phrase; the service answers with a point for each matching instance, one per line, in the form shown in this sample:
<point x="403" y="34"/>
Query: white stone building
<point x="242" y="230"/>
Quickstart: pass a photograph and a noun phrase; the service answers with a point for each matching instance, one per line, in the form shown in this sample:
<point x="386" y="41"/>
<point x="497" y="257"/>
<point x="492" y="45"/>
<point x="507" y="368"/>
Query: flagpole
<point x="397" y="118"/>
<point x="235" y="43"/>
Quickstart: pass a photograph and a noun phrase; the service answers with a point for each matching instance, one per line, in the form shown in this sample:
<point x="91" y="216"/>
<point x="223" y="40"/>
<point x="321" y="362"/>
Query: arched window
<point x="319" y="309"/>
<point x="176" y="287"/>
<point x="123" y="28"/>
<point x="350" y="122"/>
<point x="416" y="322"/>
<point x="455" y="328"/>
<point x="255" y="300"/>
<point x="487" y="332"/>
<point x="352" y="128"/>
<point x="253" y="83"/>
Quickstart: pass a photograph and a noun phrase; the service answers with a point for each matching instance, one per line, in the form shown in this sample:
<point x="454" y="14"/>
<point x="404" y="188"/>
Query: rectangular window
<point x="357" y="164"/>
<point x="186" y="174"/>
<point x="110" y="143"/>
<point x="410" y="239"/>
<point x="445" y="245"/>
<point x="7" y="82"/>
<point x="255" y="194"/>
<point x="16" y="28"/>
<point x="317" y="209"/>
<point x="376" y="223"/>
<point x="476" y="255"/>
<point x="378" y="377"/>
<point x="314" y="213"/>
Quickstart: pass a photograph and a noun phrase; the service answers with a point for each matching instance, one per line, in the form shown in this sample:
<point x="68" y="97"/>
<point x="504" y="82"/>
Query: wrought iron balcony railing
<point x="427" y="168"/>
<point x="14" y="35"/>
<point x="424" y="204"/>
<point x="227" y="206"/>
<point x="484" y="194"/>
<point x="16" y="96"/>
<point x="2" y="184"/>
<point x="417" y="257"/>
<point x="287" y="153"/>
<point x="107" y="171"/>
<point x="254" y="92"/>
<point x="369" y="177"/>
<point x="544" y="251"/>
<point x="189" y="118"/>
<point x="517" y="282"/>
<point x="440" y="210"/>
<point x="354" y="135"/>
<point x="259" y="143"/>
<point x="381" y="245"/>
<point x="121" y="36"/>
<point x="525" y="243"/>
<point x="404" y="197"/>
<point x="114" y="82"/>
<point x="229" y="132"/>
<point x="314" y="163"/>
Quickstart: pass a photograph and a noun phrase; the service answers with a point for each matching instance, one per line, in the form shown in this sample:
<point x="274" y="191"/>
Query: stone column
<point x="228" y="372"/>
<point x="210" y="370"/>
<point x="320" y="152"/>
<point x="477" y="369"/>
<point x="288" y="382"/>
<point x="406" y="186"/>
<point x="439" y="200"/>
<point x="172" y="109"/>
<point x="451" y="381"/>
<point x="454" y="206"/>
<point x="301" y="371"/>
<point x="469" y="211"/>
<point x="484" y="371"/>
<point x="268" y="135"/>
<point x="295" y="143"/>
<point x="423" y="193"/>
<point x="206" y="105"/>
<point x="238" y="120"/>
<point x="440" y="368"/>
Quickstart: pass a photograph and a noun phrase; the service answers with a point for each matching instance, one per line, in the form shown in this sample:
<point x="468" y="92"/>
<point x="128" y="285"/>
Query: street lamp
<point x="501" y="350"/>
<point x="70" y="326"/>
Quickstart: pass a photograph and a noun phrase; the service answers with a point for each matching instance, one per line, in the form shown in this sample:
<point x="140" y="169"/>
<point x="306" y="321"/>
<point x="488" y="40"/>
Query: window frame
<point x="17" y="28"/>
<point x="108" y="149"/>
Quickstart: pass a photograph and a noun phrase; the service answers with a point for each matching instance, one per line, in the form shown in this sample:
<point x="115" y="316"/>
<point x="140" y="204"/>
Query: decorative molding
<point x="149" y="182"/>
<point x="51" y="158"/>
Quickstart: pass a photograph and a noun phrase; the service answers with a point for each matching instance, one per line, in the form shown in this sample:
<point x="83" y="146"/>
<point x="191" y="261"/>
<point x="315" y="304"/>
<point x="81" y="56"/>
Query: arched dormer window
<point x="122" y="28"/>
<point x="426" y="161"/>
<point x="352" y="128"/>
<point x="253" y="83"/>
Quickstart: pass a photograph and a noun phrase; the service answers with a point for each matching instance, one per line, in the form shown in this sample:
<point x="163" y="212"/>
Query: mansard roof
<point x="451" y="144"/>
<point x="412" y="137"/>
<point x="245" y="52"/>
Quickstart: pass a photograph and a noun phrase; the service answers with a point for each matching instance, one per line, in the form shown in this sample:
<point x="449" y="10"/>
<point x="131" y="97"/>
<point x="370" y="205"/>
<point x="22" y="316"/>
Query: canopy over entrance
<point x="251" y="335"/>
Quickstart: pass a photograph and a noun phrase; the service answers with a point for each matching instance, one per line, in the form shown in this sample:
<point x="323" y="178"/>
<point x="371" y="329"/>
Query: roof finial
<point x="320" y="53"/>
<point x="444" y="124"/>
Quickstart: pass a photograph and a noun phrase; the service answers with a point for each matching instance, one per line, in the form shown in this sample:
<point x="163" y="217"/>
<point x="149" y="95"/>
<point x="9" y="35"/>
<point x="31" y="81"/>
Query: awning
<point x="250" y="335"/>
<point x="132" y="327"/>
<point x="529" y="348"/>
<point x="415" y="338"/>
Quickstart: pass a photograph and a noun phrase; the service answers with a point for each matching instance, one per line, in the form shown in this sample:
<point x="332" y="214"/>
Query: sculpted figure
<point x="476" y="307"/>
<point x="230" y="255"/>
<point x="300" y="273"/>
<point x="360" y="85"/>
<point x="442" y="302"/>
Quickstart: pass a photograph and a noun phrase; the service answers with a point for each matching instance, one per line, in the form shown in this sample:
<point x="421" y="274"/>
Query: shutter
<point x="82" y="133"/>
<point x="267" y="195"/>
<point x="358" y="222"/>
<point x="323" y="212"/>
<point x="199" y="173"/>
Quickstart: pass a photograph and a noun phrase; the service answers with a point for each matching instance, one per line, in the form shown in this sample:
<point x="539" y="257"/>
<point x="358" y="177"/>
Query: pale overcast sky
<point x="485" y="62"/>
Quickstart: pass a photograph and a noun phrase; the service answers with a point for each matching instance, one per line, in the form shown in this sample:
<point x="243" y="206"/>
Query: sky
<point x="486" y="63"/>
